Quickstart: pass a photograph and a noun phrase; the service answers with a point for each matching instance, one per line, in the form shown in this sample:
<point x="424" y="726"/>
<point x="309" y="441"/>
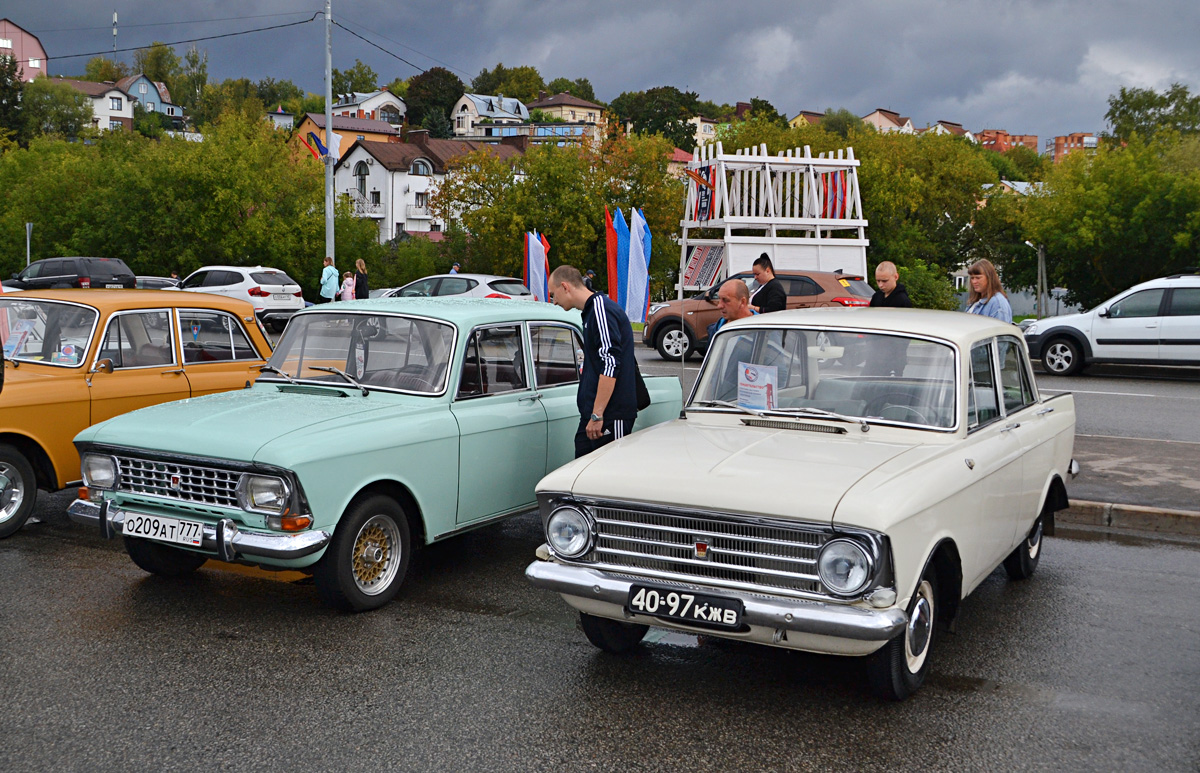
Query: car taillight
<point x="85" y="282"/>
<point x="847" y="301"/>
<point x="258" y="292"/>
<point x="299" y="293"/>
<point x="498" y="295"/>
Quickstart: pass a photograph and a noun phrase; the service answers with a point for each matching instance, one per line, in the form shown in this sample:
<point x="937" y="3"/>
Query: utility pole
<point x="329" y="159"/>
<point x="114" y="35"/>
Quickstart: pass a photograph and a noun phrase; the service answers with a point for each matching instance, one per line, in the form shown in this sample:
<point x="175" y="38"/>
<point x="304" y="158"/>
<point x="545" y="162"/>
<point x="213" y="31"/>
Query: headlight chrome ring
<point x="99" y="471"/>
<point x="569" y="531"/>
<point x="845" y="567"/>
<point x="263" y="494"/>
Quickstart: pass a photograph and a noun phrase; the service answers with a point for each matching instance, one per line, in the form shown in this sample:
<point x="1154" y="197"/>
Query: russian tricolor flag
<point x="537" y="265"/>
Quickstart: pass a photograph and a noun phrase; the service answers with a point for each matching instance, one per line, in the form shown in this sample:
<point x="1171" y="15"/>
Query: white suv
<point x="1154" y="323"/>
<point x="275" y="295"/>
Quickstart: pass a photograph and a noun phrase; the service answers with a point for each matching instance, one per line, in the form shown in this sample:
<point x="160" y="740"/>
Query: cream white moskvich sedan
<point x="838" y="482"/>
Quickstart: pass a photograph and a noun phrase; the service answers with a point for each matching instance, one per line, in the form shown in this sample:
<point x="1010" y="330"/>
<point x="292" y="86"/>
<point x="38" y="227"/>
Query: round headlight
<point x="268" y="494"/>
<point x="844" y="567"/>
<point x="569" y="532"/>
<point x="99" y="471"/>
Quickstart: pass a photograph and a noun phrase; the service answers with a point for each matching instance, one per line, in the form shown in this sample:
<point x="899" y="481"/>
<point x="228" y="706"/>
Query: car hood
<point x="729" y="468"/>
<point x="1081" y="320"/>
<point x="238" y="425"/>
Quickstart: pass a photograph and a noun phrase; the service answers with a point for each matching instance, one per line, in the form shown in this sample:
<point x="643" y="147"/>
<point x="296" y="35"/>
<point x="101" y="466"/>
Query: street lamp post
<point x="1042" y="283"/>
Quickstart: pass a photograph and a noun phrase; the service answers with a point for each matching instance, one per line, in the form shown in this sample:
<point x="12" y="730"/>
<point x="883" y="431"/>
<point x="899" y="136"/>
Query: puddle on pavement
<point x="1141" y="539"/>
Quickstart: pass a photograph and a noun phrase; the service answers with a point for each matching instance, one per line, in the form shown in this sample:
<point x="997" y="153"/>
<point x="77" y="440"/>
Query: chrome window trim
<point x="179" y="328"/>
<point x="124" y="312"/>
<point x="566" y="326"/>
<point x="16" y="298"/>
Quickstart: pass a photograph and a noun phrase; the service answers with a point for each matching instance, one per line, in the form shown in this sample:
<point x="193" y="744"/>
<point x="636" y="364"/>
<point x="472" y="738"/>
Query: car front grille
<point x="709" y="549"/>
<point x="185" y="482"/>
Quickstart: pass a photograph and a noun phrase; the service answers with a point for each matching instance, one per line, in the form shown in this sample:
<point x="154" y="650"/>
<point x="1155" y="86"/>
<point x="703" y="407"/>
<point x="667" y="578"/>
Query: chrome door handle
<point x="530" y="398"/>
<point x="1044" y="411"/>
<point x="1013" y="426"/>
<point x="169" y="372"/>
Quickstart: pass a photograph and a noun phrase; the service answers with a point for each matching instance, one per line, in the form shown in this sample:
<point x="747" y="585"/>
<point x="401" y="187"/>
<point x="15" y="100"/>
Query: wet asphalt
<point x="1093" y="664"/>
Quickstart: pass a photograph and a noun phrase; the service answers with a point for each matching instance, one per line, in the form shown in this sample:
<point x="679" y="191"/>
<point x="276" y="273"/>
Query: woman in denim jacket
<point x="987" y="296"/>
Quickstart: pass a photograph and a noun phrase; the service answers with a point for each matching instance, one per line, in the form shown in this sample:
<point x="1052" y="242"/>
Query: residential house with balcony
<point x="351" y="130"/>
<point x="704" y="130"/>
<point x="889" y="121"/>
<point x="25" y="48"/>
<point x="999" y="140"/>
<point x="476" y="115"/>
<point x="572" y="110"/>
<point x="805" y="118"/>
<point x="153" y="96"/>
<point x="380" y="105"/>
<point x="112" y="107"/>
<point x="949" y="127"/>
<point x="391" y="182"/>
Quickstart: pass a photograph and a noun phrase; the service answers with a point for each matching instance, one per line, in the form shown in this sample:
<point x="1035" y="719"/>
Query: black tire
<point x="675" y="342"/>
<point x="366" y="561"/>
<point x="1022" y="562"/>
<point x="163" y="560"/>
<point x="611" y="635"/>
<point x="1062" y="357"/>
<point x="18" y="490"/>
<point x="894" y="671"/>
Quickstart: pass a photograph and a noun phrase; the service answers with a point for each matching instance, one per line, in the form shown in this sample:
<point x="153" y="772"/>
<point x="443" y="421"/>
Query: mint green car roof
<point x="466" y="313"/>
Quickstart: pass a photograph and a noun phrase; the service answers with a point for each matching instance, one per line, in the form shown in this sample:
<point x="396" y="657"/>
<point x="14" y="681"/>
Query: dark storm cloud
<point x="1044" y="68"/>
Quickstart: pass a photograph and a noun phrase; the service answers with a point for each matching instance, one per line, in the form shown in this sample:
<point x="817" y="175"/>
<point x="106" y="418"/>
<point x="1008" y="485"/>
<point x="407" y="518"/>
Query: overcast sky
<point x="1044" y="68"/>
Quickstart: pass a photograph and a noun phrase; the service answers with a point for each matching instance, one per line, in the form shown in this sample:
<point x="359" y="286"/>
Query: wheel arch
<point x="403" y="496"/>
<point x="947" y="564"/>
<point x="1054" y="498"/>
<point x="1076" y="336"/>
<point x="667" y="323"/>
<point x="39" y="460"/>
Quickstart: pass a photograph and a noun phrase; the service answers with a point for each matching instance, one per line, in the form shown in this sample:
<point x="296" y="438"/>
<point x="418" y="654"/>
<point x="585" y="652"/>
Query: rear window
<point x="272" y="278"/>
<point x="509" y="287"/>
<point x="107" y="268"/>
<point x="857" y="286"/>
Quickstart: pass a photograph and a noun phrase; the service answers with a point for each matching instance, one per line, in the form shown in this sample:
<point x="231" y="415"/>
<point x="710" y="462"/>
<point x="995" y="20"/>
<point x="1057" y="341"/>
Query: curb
<point x="1153" y="519"/>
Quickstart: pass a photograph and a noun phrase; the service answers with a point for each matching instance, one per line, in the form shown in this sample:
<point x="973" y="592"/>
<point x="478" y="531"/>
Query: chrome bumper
<point x="224" y="539"/>
<point x="810" y="617"/>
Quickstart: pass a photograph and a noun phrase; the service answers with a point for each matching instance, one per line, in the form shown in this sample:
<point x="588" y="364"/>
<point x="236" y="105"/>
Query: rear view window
<point x="272" y="278"/>
<point x="857" y="287"/>
<point x="509" y="287"/>
<point x="106" y="268"/>
<point x="213" y="336"/>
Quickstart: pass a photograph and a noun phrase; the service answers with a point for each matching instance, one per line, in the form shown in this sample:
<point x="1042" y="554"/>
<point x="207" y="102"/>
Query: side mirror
<point x="103" y="366"/>
<point x="1102" y="313"/>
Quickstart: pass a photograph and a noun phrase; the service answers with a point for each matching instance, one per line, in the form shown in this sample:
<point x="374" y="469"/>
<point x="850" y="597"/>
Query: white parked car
<point x="1154" y="323"/>
<point x="838" y="482"/>
<point x="464" y="285"/>
<point x="275" y="295"/>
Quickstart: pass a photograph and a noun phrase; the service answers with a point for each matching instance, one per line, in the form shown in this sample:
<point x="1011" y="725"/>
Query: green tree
<point x="541" y="116"/>
<point x="438" y="124"/>
<point x="1028" y="162"/>
<point x="1145" y="112"/>
<point x="399" y="87"/>
<point x="101" y="68"/>
<point x="435" y="89"/>
<point x="193" y="77"/>
<point x="150" y="123"/>
<point x="521" y="83"/>
<point x="273" y="93"/>
<point x="841" y="122"/>
<point x="764" y="108"/>
<point x="55" y="109"/>
<point x="11" y="88"/>
<point x="580" y="87"/>
<point x="1122" y="216"/>
<point x="360" y="77"/>
<point x="661" y="110"/>
<point x="238" y="95"/>
<point x="488" y="81"/>
<point x="710" y="109"/>
<point x="159" y="62"/>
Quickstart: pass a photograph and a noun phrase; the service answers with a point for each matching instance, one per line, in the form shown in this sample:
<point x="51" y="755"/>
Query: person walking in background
<point x="607" y="394"/>
<point x="347" y="291"/>
<point x="329" y="282"/>
<point x="987" y="296"/>
<point x="361" y="289"/>
<point x="454" y="269"/>
<point x="770" y="295"/>
<point x="587" y="280"/>
<point x="891" y="293"/>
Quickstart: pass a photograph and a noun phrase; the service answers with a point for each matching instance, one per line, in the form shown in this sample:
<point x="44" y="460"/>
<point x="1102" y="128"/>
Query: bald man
<point x="890" y="293"/>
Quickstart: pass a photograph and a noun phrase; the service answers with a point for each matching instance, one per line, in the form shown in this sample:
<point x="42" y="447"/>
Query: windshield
<point x="45" y="331"/>
<point x="890" y="378"/>
<point x="377" y="350"/>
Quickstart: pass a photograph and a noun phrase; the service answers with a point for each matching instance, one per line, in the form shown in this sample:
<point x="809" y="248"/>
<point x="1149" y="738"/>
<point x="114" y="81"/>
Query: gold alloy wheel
<point x="376" y="555"/>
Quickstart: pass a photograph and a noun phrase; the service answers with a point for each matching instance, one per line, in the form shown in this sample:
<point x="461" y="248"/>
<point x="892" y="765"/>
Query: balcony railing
<point x="363" y="207"/>
<point x="418" y="212"/>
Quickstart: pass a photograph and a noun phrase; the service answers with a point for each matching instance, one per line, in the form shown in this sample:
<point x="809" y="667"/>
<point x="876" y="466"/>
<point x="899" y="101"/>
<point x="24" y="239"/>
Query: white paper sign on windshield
<point x="16" y="339"/>
<point x="757" y="386"/>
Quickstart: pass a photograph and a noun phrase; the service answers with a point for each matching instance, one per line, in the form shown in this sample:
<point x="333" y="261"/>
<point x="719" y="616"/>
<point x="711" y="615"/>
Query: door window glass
<point x="138" y="340"/>
<point x="556" y="353"/>
<point x="213" y="336"/>
<point x="1142" y="304"/>
<point x="801" y="286"/>
<point x="1185" y="302"/>
<point x="196" y="279"/>
<point x="453" y="285"/>
<point x="1014" y="377"/>
<point x="982" y="406"/>
<point x="32" y="270"/>
<point x="494" y="363"/>
<point x="421" y="289"/>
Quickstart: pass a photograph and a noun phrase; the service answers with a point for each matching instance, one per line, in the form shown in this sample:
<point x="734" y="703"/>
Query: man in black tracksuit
<point x="607" y="397"/>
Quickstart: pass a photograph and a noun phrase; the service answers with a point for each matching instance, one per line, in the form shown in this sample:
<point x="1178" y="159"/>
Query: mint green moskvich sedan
<point x="376" y="426"/>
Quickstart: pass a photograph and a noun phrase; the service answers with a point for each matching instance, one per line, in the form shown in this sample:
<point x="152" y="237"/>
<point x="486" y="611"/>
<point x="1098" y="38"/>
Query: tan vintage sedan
<point x="77" y="357"/>
<point x="817" y="502"/>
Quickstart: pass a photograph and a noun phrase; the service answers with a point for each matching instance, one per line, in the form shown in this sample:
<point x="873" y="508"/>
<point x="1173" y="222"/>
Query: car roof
<point x="954" y="326"/>
<point x="115" y="300"/>
<point x="239" y="268"/>
<point x="463" y="312"/>
<point x="477" y="277"/>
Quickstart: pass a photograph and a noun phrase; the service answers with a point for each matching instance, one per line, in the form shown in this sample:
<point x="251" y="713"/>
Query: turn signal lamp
<point x="289" y="522"/>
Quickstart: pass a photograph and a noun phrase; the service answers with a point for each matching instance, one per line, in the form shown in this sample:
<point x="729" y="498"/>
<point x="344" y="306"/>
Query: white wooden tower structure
<point x="803" y="211"/>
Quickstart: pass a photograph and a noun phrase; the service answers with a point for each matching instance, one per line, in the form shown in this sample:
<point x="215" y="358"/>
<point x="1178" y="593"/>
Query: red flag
<point x="610" y="241"/>
<point x="311" y="149"/>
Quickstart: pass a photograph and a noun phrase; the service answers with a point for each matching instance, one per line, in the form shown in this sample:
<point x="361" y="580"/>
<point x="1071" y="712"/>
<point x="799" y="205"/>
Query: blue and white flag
<point x="637" y="285"/>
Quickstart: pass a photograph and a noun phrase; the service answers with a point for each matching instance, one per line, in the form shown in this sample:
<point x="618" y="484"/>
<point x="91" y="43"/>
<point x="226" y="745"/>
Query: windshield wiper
<point x="269" y="369"/>
<point x="727" y="404"/>
<point x="344" y="375"/>
<point x="808" y="411"/>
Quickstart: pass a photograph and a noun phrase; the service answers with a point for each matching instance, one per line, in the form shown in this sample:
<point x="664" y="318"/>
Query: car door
<point x="557" y="350"/>
<point x="1179" y="339"/>
<point x="454" y="285"/>
<point x="195" y="281"/>
<point x="1129" y="329"/>
<point x="802" y="292"/>
<point x="1024" y="420"/>
<point x="422" y="288"/>
<point x="501" y="424"/>
<point x="224" y="283"/>
<point x="141" y="346"/>
<point x="217" y="351"/>
<point x="993" y="457"/>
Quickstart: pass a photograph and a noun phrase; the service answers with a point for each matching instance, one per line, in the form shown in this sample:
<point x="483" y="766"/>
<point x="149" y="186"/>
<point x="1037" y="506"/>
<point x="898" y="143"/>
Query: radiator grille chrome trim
<point x="198" y="484"/>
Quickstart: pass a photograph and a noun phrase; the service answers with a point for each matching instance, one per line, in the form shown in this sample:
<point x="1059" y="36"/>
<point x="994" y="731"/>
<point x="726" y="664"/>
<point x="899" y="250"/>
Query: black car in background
<point x="50" y="273"/>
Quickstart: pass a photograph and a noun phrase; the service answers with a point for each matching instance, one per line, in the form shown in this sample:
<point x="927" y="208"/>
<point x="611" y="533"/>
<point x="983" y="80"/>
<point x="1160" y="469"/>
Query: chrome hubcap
<point x="1058" y="357"/>
<point x="675" y="343"/>
<point x="12" y="493"/>
<point x="1034" y="542"/>
<point x="376" y="555"/>
<point x="920" y="628"/>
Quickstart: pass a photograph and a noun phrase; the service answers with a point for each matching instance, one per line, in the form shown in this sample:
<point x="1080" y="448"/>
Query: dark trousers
<point x="613" y="429"/>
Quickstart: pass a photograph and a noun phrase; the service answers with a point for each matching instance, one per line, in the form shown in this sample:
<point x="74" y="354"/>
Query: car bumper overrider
<point x="223" y="539"/>
<point x="817" y="626"/>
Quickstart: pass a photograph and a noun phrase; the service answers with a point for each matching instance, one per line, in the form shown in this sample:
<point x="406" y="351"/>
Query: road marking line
<point x="1151" y="439"/>
<point x="1086" y="392"/>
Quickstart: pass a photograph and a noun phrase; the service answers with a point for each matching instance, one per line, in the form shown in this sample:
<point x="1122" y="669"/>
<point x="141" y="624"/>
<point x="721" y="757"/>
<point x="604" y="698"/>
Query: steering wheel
<point x="907" y="411"/>
<point x="877" y="405"/>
